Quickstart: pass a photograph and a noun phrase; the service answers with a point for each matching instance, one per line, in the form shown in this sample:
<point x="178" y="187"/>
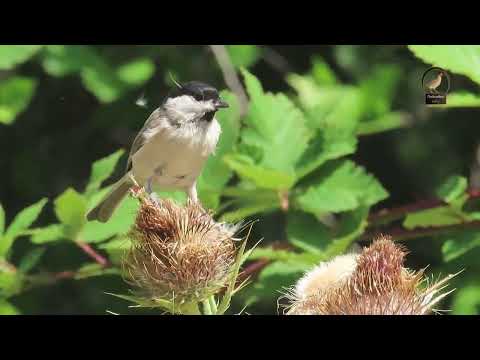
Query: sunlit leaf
<point x="13" y="55"/>
<point x="15" y="94"/>
<point x="101" y="170"/>
<point x="70" y="208"/>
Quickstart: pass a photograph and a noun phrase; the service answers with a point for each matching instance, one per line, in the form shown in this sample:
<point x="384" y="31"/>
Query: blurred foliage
<point x="332" y="134"/>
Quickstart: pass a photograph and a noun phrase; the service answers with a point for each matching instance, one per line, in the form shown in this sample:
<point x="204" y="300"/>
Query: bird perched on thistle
<point x="432" y="85"/>
<point x="170" y="150"/>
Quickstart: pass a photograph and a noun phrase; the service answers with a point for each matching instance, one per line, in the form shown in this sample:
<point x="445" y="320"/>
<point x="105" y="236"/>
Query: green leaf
<point x="20" y="223"/>
<point x="216" y="174"/>
<point x="307" y="233"/>
<point x="458" y="243"/>
<point x="264" y="178"/>
<point x="103" y="82"/>
<point x="116" y="248"/>
<point x="388" y="121"/>
<point x="62" y="60"/>
<point x="340" y="186"/>
<point x="273" y="281"/>
<point x="440" y="216"/>
<point x="243" y="55"/>
<point x="136" y="72"/>
<point x="11" y="283"/>
<point x="30" y="259"/>
<point x="94" y="269"/>
<point x="248" y="209"/>
<point x="70" y="208"/>
<point x="101" y="170"/>
<point x="454" y="187"/>
<point x="467" y="301"/>
<point x="119" y="224"/>
<point x="13" y="55"/>
<point x="463" y="59"/>
<point x="15" y="94"/>
<point x="8" y="309"/>
<point x="48" y="234"/>
<point x="280" y="145"/>
<point x="271" y="254"/>
<point x="352" y="225"/>
<point x="2" y="220"/>
<point x="322" y="73"/>
<point x="462" y="100"/>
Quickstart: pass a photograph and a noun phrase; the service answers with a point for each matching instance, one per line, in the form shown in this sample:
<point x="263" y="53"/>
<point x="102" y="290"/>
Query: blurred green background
<point x="332" y="134"/>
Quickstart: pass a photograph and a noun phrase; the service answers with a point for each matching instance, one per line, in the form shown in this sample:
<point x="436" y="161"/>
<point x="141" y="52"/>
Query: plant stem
<point x="92" y="253"/>
<point x="190" y="309"/>
<point x="213" y="304"/>
<point x="388" y="215"/>
<point x="206" y="307"/>
<point x="401" y="234"/>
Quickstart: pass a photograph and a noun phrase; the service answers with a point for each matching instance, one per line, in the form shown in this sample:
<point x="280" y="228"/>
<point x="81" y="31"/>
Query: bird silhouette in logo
<point x="432" y="85"/>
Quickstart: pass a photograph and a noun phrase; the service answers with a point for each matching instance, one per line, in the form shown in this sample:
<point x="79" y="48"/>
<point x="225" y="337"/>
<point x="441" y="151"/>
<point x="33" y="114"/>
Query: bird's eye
<point x="198" y="97"/>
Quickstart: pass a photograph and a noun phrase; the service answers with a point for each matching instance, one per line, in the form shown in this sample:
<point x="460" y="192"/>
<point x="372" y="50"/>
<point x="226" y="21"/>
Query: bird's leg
<point x="192" y="193"/>
<point x="151" y="194"/>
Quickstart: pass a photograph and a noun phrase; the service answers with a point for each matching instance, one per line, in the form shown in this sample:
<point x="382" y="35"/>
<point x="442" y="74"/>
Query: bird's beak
<point x="220" y="104"/>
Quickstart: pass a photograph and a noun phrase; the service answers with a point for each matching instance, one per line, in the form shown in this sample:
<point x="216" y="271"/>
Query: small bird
<point x="432" y="85"/>
<point x="170" y="150"/>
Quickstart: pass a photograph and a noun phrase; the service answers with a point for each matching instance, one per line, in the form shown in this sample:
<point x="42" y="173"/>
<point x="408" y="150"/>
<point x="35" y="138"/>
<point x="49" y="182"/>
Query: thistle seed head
<point x="371" y="283"/>
<point x="179" y="253"/>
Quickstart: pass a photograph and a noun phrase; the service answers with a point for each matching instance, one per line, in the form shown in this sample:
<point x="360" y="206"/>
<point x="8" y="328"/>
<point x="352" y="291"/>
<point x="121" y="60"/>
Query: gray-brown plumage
<point x="432" y="85"/>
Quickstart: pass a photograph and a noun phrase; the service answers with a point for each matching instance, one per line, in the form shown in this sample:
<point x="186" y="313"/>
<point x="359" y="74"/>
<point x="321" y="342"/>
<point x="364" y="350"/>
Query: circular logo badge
<point x="436" y="81"/>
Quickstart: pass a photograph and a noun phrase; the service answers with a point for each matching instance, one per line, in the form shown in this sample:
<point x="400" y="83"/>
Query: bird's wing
<point x="153" y="124"/>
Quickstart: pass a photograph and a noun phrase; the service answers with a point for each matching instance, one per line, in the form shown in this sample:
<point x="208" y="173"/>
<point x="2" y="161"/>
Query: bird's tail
<point x="104" y="210"/>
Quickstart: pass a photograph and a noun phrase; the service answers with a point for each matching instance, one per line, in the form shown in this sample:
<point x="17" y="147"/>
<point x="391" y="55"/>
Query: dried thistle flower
<point x="373" y="282"/>
<point x="179" y="254"/>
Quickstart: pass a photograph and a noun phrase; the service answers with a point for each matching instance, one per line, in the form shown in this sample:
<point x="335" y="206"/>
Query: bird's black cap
<point x="197" y="89"/>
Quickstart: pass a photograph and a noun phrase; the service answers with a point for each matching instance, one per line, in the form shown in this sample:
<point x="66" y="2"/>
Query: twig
<point x="230" y="75"/>
<point x="387" y="215"/>
<point x="93" y="254"/>
<point x="401" y="234"/>
<point x="275" y="60"/>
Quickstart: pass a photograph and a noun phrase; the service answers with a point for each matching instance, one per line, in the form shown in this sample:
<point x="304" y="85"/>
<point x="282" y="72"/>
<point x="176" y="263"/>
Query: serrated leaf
<point x="305" y="232"/>
<point x="216" y="174"/>
<point x="464" y="59"/>
<point x="30" y="259"/>
<point x="458" y="243"/>
<point x="2" y="220"/>
<point x="273" y="280"/>
<point x="136" y="72"/>
<point x="8" y="309"/>
<point x="119" y="224"/>
<point x="15" y="94"/>
<point x="280" y="144"/>
<point x="454" y="187"/>
<point x="350" y="227"/>
<point x="13" y="55"/>
<point x="101" y="170"/>
<point x="340" y="186"/>
<point x="20" y="223"/>
<point x="262" y="177"/>
<point x="48" y="234"/>
<point x="70" y="208"/>
<point x="388" y="121"/>
<point x="243" y="55"/>
<point x="440" y="216"/>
